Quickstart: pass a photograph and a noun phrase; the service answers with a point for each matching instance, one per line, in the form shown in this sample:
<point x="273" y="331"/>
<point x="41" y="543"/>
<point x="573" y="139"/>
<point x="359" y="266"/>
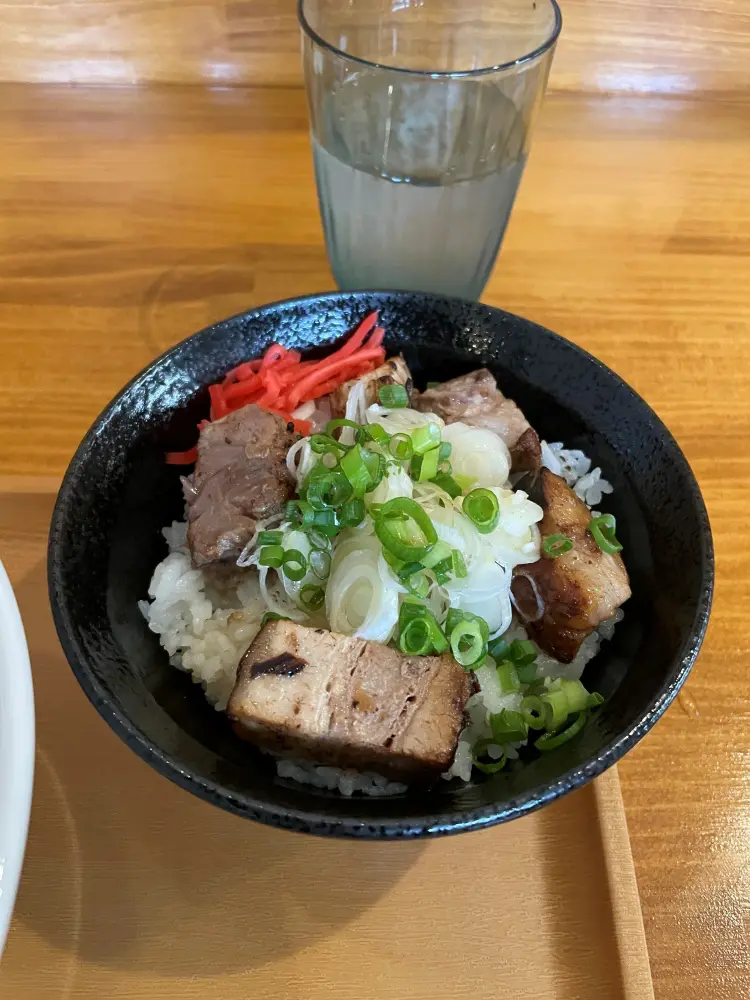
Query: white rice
<point x="346" y="781"/>
<point x="575" y="468"/>
<point x="207" y="618"/>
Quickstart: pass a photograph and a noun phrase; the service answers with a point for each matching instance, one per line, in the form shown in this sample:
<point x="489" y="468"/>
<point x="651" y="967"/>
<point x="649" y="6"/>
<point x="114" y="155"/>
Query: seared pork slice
<point x="475" y="399"/>
<point x="349" y="702"/>
<point x="240" y="477"/>
<point x="393" y="372"/>
<point x="562" y="600"/>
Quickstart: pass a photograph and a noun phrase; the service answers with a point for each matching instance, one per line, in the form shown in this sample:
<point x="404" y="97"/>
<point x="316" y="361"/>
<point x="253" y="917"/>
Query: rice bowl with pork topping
<point x="389" y="595"/>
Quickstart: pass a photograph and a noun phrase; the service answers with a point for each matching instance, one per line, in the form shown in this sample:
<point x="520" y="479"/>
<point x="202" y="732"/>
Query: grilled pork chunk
<point x="349" y="702"/>
<point x="240" y="477"/>
<point x="475" y="399"/>
<point x="562" y="600"/>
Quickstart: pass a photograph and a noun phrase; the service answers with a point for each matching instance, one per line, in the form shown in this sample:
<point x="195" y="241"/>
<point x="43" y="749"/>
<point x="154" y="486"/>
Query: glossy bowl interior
<point x="118" y="493"/>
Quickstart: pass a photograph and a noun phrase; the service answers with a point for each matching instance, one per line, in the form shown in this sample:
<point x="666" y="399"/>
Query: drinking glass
<point x="421" y="114"/>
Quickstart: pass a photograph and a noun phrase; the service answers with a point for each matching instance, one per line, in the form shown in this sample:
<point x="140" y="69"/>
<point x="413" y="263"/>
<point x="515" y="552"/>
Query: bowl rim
<point x="308" y="820"/>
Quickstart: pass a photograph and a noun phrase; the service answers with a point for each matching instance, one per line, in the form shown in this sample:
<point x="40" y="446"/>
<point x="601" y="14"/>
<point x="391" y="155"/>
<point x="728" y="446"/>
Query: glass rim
<point x="429" y="74"/>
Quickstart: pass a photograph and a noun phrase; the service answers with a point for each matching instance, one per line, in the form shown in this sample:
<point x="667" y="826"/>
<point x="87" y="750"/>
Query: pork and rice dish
<point x="383" y="586"/>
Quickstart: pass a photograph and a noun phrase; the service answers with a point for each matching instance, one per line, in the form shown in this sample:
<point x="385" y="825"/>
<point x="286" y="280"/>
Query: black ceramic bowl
<point x="118" y="493"/>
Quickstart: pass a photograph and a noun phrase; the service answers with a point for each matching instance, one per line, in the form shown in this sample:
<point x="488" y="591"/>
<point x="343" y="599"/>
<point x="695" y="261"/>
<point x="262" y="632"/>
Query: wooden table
<point x="132" y="217"/>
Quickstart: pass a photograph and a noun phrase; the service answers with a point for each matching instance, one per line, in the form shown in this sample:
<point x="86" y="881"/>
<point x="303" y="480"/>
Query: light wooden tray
<point x="134" y="889"/>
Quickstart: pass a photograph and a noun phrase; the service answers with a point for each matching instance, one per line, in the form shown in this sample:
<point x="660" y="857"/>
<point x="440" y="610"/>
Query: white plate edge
<point x="17" y="735"/>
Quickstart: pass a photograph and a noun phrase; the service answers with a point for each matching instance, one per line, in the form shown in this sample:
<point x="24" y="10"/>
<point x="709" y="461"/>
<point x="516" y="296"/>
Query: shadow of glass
<point x="125" y="869"/>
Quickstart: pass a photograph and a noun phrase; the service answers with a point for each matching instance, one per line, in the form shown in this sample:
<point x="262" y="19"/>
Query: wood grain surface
<point x="639" y="46"/>
<point x="132" y="217"/>
<point x="134" y="889"/>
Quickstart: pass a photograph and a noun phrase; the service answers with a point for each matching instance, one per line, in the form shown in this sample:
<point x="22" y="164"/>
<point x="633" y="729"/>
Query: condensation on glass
<point x="421" y="115"/>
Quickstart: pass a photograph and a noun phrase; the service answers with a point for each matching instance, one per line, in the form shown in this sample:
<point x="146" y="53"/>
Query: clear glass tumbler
<point x="421" y="115"/>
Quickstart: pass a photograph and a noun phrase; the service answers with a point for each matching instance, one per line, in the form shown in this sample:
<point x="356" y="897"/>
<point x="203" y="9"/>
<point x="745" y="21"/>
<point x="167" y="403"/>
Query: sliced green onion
<point x="445" y="450"/>
<point x="425" y="438"/>
<point x="400" y="447"/>
<point x="327" y="523"/>
<point x="468" y="645"/>
<point x="508" y="727"/>
<point x="334" y="425"/>
<point x="404" y="528"/>
<point x="319" y="562"/>
<point x="409" y="569"/>
<point x="412" y="609"/>
<point x="443" y="570"/>
<point x="375" y="465"/>
<point x="456" y="616"/>
<point x="499" y="649"/>
<point x="271" y="555"/>
<point x="378" y="434"/>
<point x="556" y="709"/>
<point x="508" y="677"/>
<point x="522" y="652"/>
<point x="575" y="693"/>
<point x="449" y="484"/>
<point x="439" y="639"/>
<point x="602" y="530"/>
<point x="527" y="673"/>
<point x="487" y="768"/>
<point x="354" y="468"/>
<point x="438" y="552"/>
<point x="415" y="638"/>
<point x="464" y="482"/>
<point x="322" y="443"/>
<point x="394" y="562"/>
<point x="299" y="513"/>
<point x="330" y="489"/>
<point x="532" y="710"/>
<point x="393" y="397"/>
<point x="294" y="564"/>
<point x="493" y="768"/>
<point x="270" y="537"/>
<point x="352" y="513"/>
<point x="425" y="467"/>
<point x="271" y="616"/>
<point x="550" y="741"/>
<point x="563" y="698"/>
<point x="595" y="700"/>
<point x="459" y="566"/>
<point x="319" y="539"/>
<point x="418" y="584"/>
<point x="312" y="596"/>
<point x="556" y="545"/>
<point x="482" y="509"/>
<point x="412" y="576"/>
